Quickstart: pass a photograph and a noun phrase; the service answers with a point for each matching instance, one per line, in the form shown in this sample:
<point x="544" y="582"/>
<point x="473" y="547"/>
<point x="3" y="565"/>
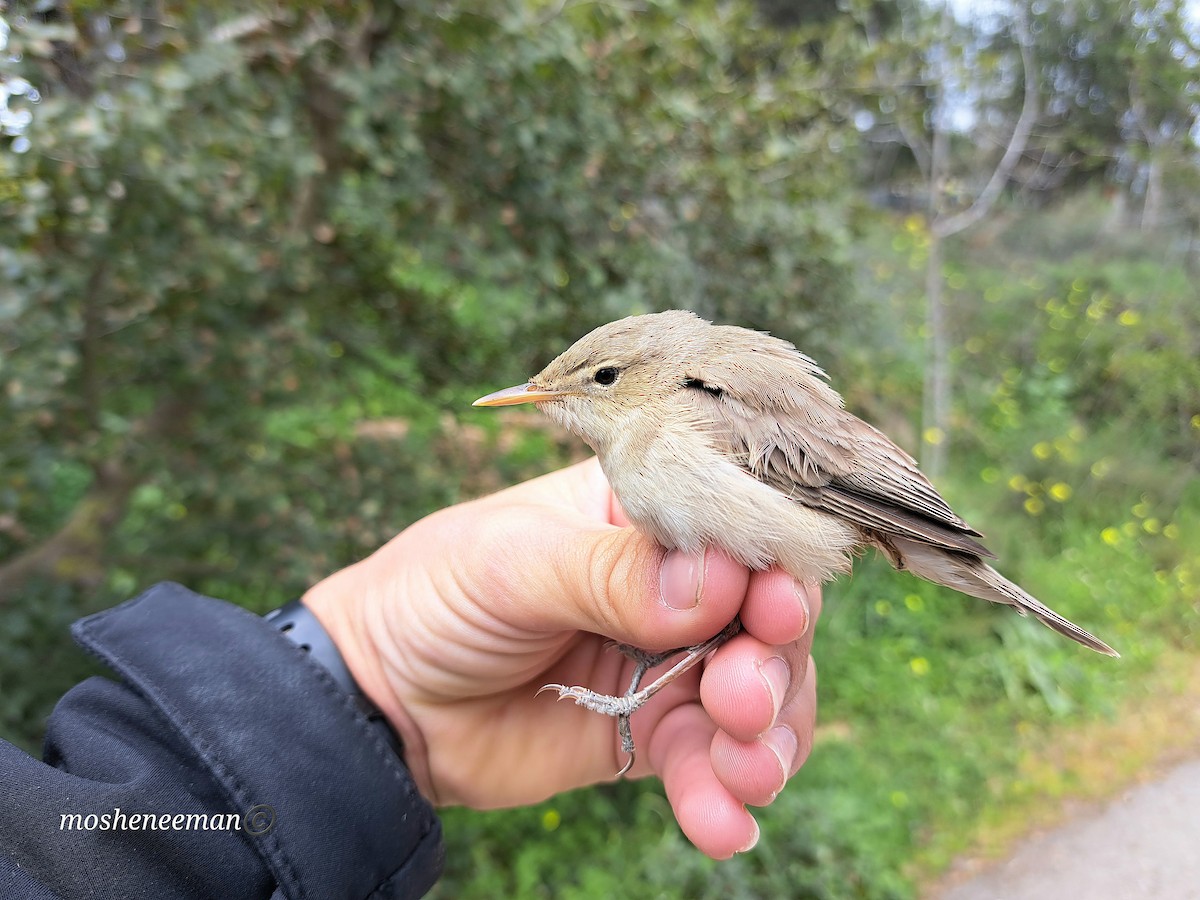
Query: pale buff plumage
<point x="718" y="435"/>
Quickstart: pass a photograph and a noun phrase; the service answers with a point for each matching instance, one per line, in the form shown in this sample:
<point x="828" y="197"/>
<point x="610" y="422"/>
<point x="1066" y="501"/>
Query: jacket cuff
<point x="337" y="811"/>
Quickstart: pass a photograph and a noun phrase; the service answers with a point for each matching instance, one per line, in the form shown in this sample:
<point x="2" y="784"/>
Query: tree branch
<point x="1137" y="106"/>
<point x="915" y="142"/>
<point x="75" y="552"/>
<point x="953" y="224"/>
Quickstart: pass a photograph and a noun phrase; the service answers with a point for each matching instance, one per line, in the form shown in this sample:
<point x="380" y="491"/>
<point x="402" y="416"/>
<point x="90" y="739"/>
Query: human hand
<point x="453" y="626"/>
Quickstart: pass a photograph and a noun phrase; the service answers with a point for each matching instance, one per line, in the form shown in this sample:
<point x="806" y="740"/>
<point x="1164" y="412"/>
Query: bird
<point x="721" y="436"/>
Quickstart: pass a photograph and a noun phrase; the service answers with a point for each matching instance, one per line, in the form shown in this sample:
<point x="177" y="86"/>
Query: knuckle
<point x="617" y="566"/>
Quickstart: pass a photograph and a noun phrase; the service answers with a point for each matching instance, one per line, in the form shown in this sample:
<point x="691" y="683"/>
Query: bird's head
<point x="613" y="373"/>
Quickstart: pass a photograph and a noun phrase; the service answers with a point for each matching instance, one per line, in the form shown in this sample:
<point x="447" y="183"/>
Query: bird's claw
<point x="636" y="696"/>
<point x="628" y="764"/>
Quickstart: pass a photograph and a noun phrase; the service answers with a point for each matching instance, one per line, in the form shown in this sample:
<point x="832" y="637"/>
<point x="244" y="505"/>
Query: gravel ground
<point x="1143" y="845"/>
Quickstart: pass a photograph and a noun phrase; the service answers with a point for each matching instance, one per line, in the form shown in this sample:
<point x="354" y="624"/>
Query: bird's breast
<point x="677" y="488"/>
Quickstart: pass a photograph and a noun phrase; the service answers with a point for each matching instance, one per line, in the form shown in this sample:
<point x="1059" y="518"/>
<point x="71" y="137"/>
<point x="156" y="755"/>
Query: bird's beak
<point x="521" y="393"/>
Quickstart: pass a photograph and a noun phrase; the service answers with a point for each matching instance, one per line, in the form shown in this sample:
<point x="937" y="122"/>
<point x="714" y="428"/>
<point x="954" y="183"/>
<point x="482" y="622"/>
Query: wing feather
<point x="769" y="407"/>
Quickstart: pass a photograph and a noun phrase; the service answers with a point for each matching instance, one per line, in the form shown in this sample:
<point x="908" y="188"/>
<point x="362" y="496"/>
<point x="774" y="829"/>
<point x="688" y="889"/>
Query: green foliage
<point x="255" y="265"/>
<point x="1116" y="76"/>
<point x="931" y="702"/>
<point x="1101" y="379"/>
<point x="281" y="224"/>
<point x="621" y="841"/>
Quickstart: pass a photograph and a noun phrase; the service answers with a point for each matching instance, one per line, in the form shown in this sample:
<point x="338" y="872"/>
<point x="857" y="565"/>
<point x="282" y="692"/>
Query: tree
<point x="950" y="74"/>
<point x="1120" y="92"/>
<point x="230" y="236"/>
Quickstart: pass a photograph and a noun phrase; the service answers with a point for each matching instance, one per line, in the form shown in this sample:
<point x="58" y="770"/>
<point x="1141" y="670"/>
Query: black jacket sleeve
<point x="225" y="764"/>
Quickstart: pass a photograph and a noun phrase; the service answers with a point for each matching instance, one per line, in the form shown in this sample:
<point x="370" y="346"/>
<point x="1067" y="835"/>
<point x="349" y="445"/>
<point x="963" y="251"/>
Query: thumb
<point x="563" y="572"/>
<point x="633" y="590"/>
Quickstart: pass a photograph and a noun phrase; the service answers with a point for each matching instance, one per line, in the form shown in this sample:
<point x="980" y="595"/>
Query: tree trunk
<point x="1153" y="205"/>
<point x="935" y="427"/>
<point x="935" y="398"/>
<point x="75" y="552"/>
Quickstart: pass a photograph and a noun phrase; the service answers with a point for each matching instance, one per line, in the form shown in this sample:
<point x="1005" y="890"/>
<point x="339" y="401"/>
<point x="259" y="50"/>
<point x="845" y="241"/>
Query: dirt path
<point x="1142" y="845"/>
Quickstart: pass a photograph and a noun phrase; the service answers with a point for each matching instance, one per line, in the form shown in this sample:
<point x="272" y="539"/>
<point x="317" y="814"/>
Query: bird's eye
<point x="605" y="376"/>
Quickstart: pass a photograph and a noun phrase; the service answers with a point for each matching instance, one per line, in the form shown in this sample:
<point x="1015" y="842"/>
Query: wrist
<point x="339" y="603"/>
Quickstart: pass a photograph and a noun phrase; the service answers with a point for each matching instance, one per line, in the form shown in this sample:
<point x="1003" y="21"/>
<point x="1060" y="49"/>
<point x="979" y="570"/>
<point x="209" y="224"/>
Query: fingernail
<point x="778" y="675"/>
<point x="681" y="580"/>
<point x="801" y="591"/>
<point x="753" y="838"/>
<point x="782" y="741"/>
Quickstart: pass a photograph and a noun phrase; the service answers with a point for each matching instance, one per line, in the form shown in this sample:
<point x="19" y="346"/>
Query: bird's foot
<point x="621" y="707"/>
<point x="595" y="701"/>
<point x="635" y="696"/>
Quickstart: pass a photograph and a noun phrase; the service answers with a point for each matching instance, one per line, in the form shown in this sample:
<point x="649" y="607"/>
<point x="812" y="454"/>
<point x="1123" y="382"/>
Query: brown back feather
<point x="769" y="407"/>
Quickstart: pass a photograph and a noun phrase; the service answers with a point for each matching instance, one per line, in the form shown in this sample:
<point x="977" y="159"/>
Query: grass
<point x="1063" y="771"/>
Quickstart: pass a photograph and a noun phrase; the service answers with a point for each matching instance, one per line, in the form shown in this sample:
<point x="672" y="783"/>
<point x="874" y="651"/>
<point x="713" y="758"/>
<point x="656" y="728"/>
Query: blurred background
<point x="256" y="260"/>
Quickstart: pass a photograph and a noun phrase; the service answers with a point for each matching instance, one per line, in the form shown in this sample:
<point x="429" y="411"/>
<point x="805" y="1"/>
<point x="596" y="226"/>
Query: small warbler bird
<point x="718" y="435"/>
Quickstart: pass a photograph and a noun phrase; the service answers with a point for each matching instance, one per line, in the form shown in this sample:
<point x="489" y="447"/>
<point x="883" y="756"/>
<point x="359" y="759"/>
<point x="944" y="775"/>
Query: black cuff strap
<point x="296" y="622"/>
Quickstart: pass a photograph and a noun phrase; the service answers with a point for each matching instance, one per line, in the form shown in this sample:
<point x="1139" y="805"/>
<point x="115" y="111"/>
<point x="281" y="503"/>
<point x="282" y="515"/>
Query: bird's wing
<point x="771" y="411"/>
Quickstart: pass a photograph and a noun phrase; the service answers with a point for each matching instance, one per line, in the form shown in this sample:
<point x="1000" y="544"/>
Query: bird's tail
<point x="972" y="576"/>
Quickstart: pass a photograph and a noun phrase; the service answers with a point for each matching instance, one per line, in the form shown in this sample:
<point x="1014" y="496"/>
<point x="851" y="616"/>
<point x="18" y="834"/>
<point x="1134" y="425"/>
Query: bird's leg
<point x="635" y="696"/>
<point x="645" y="662"/>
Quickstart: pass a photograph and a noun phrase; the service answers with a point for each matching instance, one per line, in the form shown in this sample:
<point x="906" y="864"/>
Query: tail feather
<point x="974" y="577"/>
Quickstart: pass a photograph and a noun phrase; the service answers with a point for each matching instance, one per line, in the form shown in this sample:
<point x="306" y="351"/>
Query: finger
<point x="581" y="487"/>
<point x="623" y="585"/>
<point x="756" y="771"/>
<point x="779" y="609"/>
<point x="708" y="594"/>
<point x="749" y="680"/>
<point x="548" y="569"/>
<point x="747" y="683"/>
<point x="584" y="486"/>
<point x="801" y="714"/>
<point x="708" y="813"/>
